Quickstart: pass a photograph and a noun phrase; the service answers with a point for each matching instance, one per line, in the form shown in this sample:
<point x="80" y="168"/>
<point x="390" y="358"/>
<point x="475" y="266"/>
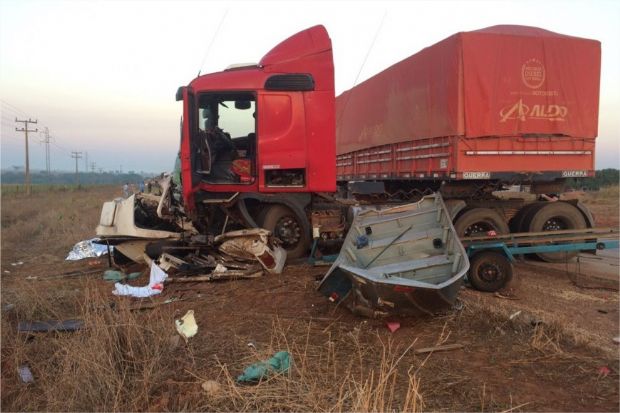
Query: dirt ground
<point x="547" y="348"/>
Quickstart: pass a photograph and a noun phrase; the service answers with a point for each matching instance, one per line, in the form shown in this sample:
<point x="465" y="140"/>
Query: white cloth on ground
<point x="154" y="287"/>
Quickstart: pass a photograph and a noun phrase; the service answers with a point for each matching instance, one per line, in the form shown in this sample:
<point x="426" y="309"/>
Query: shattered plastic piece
<point x="616" y="340"/>
<point x="15" y="264"/>
<point x="604" y="371"/>
<point x="49" y="325"/>
<point x="87" y="249"/>
<point x="514" y="315"/>
<point x="393" y="325"/>
<point x="279" y="363"/>
<point x="155" y="285"/>
<point x="25" y="374"/>
<point x="220" y="268"/>
<point x="187" y="326"/>
<point x="211" y="387"/>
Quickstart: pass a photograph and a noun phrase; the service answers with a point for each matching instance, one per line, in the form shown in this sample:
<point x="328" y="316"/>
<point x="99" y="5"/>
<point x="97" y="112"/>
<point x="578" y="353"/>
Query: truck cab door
<point x="189" y="148"/>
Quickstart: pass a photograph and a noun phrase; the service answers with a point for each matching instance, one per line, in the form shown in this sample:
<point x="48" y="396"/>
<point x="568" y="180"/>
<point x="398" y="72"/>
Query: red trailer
<point x="505" y="102"/>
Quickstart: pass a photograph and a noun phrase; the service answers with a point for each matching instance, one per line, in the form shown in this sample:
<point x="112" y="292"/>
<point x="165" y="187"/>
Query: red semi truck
<point x="270" y="145"/>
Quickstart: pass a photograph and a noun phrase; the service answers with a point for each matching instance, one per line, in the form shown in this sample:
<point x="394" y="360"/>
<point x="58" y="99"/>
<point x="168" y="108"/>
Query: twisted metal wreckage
<point x="147" y="229"/>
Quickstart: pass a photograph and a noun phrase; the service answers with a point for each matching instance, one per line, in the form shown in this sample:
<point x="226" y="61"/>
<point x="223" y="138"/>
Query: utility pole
<point x="26" y="130"/>
<point x="92" y="167"/>
<point x="76" y="156"/>
<point x="86" y="162"/>
<point x="46" y="140"/>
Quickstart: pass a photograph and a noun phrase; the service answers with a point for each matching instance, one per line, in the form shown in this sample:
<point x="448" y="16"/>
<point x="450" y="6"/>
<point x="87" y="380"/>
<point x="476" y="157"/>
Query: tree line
<point x="602" y="178"/>
<point x="68" y="178"/>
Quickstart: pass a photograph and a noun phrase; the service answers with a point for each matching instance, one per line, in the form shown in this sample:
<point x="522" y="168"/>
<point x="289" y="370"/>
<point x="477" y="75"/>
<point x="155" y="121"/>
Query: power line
<point x="26" y="130"/>
<point x="13" y="108"/>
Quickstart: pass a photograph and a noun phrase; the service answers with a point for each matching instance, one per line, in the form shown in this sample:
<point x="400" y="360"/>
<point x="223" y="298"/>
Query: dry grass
<point x="125" y="361"/>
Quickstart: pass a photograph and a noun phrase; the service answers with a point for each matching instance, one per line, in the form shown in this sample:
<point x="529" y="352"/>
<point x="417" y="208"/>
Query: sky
<point x="102" y="75"/>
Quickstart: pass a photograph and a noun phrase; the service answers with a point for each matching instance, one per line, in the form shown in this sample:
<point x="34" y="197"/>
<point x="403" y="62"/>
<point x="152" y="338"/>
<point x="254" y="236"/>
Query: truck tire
<point x="489" y="271"/>
<point x="285" y="225"/>
<point x="556" y="216"/>
<point x="479" y="221"/>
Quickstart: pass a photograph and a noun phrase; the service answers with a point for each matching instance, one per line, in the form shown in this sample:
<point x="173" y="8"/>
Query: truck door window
<point x="227" y="130"/>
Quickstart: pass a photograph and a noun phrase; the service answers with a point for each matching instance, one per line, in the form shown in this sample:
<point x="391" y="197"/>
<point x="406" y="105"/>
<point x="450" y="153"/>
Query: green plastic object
<point x="279" y="363"/>
<point x="115" y="275"/>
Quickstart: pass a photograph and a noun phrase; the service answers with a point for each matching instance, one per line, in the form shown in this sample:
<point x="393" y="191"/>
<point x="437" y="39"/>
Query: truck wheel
<point x="556" y="216"/>
<point x="521" y="221"/>
<point x="489" y="271"/>
<point x="285" y="225"/>
<point x="478" y="221"/>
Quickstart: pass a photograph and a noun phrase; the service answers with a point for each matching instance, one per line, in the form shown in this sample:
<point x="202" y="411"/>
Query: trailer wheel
<point x="285" y="225"/>
<point x="489" y="271"/>
<point x="479" y="221"/>
<point x="556" y="216"/>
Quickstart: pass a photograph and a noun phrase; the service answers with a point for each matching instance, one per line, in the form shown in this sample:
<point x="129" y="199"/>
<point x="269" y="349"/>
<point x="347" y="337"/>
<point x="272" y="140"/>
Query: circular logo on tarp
<point x="533" y="73"/>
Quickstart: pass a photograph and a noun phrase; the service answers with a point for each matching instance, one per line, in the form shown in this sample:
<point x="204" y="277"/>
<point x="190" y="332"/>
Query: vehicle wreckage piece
<point x="402" y="260"/>
<point x="137" y="217"/>
<point x="253" y="244"/>
<point x="186" y="325"/>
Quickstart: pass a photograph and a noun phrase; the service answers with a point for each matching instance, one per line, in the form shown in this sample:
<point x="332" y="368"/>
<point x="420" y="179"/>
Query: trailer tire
<point x="556" y="216"/>
<point x="286" y="226"/>
<point x="489" y="271"/>
<point x="480" y="221"/>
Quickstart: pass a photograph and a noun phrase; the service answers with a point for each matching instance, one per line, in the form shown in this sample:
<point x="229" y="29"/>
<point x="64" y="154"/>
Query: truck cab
<point x="265" y="128"/>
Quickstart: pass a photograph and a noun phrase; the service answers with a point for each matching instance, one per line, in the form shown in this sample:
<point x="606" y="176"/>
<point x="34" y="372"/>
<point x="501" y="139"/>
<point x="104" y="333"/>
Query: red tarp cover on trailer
<point x="498" y="81"/>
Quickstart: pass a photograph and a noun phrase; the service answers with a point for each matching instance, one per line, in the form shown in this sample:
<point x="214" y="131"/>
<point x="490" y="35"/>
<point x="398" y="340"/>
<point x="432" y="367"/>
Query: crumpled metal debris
<point x="253" y="244"/>
<point x="187" y="326"/>
<point x="87" y="249"/>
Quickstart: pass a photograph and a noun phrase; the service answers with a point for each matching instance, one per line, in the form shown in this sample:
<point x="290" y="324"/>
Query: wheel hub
<point x="478" y="228"/>
<point x="489" y="272"/>
<point x="288" y="231"/>
<point x="554" y="224"/>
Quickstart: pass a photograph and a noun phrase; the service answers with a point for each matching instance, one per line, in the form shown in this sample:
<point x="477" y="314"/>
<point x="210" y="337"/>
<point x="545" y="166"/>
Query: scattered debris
<point x="149" y="305"/>
<point x="50" y="325"/>
<point x="187" y="326"/>
<point x="154" y="287"/>
<point x="445" y="347"/>
<point x="603" y="371"/>
<point x="279" y="363"/>
<point x="15" y="264"/>
<point x="616" y="340"/>
<point x="212" y="388"/>
<point x="7" y="271"/>
<point x="514" y="315"/>
<point x="392" y="325"/>
<point x="25" y="374"/>
<point x="116" y="275"/>
<point x="87" y="249"/>
<point x="505" y="296"/>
